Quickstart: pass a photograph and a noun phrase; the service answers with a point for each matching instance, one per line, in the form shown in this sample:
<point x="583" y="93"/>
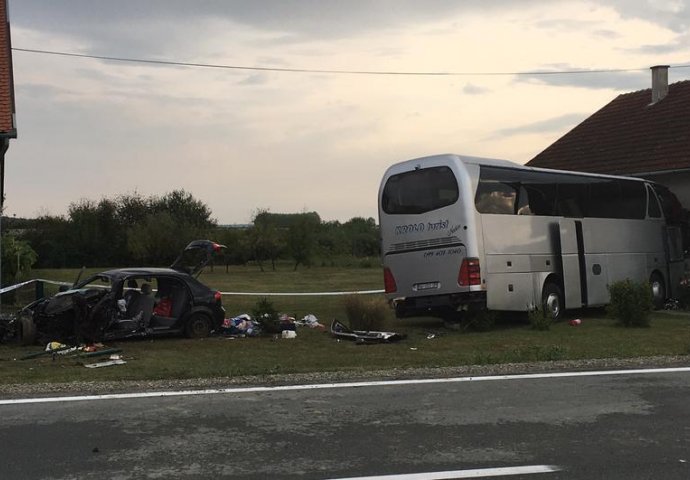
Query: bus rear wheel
<point x="552" y="301"/>
<point x="656" y="283"/>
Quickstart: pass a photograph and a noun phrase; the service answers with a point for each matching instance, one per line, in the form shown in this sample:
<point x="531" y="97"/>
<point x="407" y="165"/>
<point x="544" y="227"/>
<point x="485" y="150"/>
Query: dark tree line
<point x="302" y="238"/>
<point x="125" y="230"/>
<point x="133" y="230"/>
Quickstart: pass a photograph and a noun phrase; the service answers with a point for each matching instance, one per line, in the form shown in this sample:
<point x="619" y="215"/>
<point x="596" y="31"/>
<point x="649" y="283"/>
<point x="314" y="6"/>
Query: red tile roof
<point x="627" y="136"/>
<point x="7" y="124"/>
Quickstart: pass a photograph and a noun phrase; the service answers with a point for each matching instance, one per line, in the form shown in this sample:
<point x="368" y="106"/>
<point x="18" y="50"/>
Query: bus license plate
<point x="426" y="286"/>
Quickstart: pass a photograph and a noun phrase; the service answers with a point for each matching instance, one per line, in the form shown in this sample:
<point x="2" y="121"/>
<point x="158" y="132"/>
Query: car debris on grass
<point x="341" y="331"/>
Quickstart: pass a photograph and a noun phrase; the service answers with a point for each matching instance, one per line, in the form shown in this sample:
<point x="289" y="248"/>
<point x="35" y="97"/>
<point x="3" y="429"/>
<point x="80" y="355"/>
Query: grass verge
<point x="512" y="341"/>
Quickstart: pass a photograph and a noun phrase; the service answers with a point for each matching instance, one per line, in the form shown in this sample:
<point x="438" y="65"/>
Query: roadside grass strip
<point x="326" y="386"/>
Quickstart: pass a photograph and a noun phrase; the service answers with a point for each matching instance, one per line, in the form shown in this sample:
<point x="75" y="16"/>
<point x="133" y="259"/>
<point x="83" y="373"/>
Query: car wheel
<point x="552" y="301"/>
<point x="198" y="326"/>
<point x="656" y="283"/>
<point x="28" y="330"/>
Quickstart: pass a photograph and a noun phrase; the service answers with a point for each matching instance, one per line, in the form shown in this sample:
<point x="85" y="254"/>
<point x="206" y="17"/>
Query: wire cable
<point x="328" y="71"/>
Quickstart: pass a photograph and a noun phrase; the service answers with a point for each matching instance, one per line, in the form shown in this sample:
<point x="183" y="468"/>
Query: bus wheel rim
<point x="553" y="304"/>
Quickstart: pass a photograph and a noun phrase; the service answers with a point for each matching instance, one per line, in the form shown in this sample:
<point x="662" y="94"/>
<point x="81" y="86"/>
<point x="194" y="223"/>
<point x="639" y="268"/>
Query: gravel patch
<point x="129" y="386"/>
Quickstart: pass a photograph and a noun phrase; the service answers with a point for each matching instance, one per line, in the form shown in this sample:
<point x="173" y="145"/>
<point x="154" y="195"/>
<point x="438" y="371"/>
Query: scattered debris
<point x="310" y="321"/>
<point x="241" y="325"/>
<point x="287" y="323"/>
<point x="288" y="334"/>
<point x="575" y="322"/>
<point x="340" y="330"/>
<point x="57" y="348"/>
<point x="107" y="363"/>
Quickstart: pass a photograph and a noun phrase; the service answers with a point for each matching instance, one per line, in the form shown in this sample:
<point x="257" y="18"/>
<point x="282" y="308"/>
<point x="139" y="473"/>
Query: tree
<point x="17" y="258"/>
<point x="302" y="236"/>
<point x="237" y="241"/>
<point x="152" y="241"/>
<point x="185" y="209"/>
<point x="363" y="236"/>
<point x="132" y="209"/>
<point x="49" y="237"/>
<point x="266" y="238"/>
<point x="97" y="237"/>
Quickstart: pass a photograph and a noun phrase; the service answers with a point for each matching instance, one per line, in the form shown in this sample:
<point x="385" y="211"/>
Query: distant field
<point x="312" y="351"/>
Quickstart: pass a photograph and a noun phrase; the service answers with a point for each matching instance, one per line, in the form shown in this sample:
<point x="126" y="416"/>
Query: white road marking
<point x="326" y="386"/>
<point x="475" y="473"/>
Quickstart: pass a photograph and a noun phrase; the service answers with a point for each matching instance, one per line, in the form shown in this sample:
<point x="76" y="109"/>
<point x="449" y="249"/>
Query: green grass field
<point x="511" y="341"/>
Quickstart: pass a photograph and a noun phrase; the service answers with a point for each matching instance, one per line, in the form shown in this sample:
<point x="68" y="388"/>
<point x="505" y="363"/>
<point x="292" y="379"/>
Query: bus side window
<point x="542" y="198"/>
<point x="523" y="202"/>
<point x="572" y="198"/>
<point x="653" y="210"/>
<point x="673" y="210"/>
<point x="495" y="197"/>
<point x="632" y="200"/>
<point x="604" y="199"/>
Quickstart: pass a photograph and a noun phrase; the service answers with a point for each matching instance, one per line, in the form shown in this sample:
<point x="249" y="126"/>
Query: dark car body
<point x="114" y="304"/>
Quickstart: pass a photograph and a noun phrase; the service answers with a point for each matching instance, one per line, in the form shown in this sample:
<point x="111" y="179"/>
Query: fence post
<point x="40" y="290"/>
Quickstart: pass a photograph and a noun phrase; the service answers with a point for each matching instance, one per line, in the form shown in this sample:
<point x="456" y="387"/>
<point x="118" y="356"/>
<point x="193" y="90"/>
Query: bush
<point x="630" y="303"/>
<point x="538" y="319"/>
<point x="266" y="315"/>
<point x="365" y="313"/>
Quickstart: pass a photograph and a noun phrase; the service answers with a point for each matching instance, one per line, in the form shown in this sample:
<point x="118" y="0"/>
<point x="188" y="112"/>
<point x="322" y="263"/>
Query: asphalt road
<point x="633" y="426"/>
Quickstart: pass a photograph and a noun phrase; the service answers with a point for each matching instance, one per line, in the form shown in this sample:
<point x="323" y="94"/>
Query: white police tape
<point x="251" y="294"/>
<point x="302" y="294"/>
<point x="29" y="282"/>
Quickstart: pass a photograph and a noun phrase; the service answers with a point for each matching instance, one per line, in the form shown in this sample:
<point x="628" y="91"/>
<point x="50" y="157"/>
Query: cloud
<point x="671" y="14"/>
<point x="116" y="26"/>
<point x="556" y="124"/>
<point x="257" y="79"/>
<point x="567" y="24"/>
<point x="618" y="81"/>
<point x="471" y="89"/>
<point x="677" y="45"/>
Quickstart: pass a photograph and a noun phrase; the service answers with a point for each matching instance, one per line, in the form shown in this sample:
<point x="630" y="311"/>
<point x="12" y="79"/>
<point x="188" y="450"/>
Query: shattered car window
<point x="97" y="281"/>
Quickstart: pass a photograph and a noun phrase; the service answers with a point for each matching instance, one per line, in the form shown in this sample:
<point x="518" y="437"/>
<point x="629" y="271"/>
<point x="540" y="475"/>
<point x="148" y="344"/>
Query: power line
<point x="328" y="71"/>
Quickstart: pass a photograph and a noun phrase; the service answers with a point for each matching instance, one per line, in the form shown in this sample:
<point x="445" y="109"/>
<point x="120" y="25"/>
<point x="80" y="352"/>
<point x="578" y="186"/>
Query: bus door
<point x="573" y="263"/>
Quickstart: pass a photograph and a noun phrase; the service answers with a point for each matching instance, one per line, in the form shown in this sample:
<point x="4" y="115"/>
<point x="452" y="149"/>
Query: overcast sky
<point x="240" y="140"/>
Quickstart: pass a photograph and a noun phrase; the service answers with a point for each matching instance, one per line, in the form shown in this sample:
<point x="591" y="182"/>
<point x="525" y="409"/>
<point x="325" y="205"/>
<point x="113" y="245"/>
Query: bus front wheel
<point x="552" y="301"/>
<point x="656" y="283"/>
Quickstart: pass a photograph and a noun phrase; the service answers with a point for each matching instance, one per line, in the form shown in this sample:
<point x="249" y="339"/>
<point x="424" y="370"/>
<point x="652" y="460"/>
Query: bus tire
<point x="656" y="283"/>
<point x="552" y="301"/>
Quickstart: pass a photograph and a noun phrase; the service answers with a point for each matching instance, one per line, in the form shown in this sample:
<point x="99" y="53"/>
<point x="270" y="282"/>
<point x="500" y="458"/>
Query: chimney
<point x="659" y="82"/>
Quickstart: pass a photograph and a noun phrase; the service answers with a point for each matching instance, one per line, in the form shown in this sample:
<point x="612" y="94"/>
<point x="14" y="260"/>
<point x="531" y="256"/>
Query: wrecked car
<point x="130" y="302"/>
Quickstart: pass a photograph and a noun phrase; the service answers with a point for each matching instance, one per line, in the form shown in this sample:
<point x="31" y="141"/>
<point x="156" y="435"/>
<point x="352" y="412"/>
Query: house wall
<point x="677" y="182"/>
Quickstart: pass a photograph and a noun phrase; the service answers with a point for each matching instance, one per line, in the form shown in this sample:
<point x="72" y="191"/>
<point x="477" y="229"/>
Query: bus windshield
<point x="419" y="191"/>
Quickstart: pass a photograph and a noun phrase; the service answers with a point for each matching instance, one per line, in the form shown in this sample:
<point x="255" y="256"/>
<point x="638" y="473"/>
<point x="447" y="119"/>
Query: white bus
<point x="462" y="232"/>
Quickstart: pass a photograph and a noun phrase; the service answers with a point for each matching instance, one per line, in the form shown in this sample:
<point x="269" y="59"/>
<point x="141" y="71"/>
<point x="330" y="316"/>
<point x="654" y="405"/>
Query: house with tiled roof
<point x="8" y="128"/>
<point x="643" y="134"/>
